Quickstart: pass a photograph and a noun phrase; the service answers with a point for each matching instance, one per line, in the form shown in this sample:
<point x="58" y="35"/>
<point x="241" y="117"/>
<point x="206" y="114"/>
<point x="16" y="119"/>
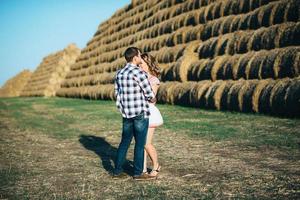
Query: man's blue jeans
<point x="136" y="127"/>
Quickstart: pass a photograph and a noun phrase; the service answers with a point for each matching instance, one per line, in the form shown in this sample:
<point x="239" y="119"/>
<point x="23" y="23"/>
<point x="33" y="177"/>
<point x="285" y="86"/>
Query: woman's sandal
<point x="155" y="171"/>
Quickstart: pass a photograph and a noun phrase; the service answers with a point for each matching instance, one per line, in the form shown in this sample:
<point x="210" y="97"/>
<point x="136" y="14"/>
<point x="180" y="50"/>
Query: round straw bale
<point x="207" y="49"/>
<point x="201" y="16"/>
<point x="292" y="98"/>
<point x="257" y="92"/>
<point x="277" y="97"/>
<point x="255" y="41"/>
<point x="208" y="13"/>
<point x="168" y="73"/>
<point x="277" y="14"/>
<point x="209" y="96"/>
<point x="216" y="12"/>
<point x="266" y="66"/>
<point x="292" y="11"/>
<point x="232" y="98"/>
<point x="221" y="94"/>
<point x="207" y="31"/>
<point x="246" y="94"/>
<point x="217" y="28"/>
<point x="182" y="93"/>
<point x="221" y="44"/>
<point x="264" y="96"/>
<point x="284" y="63"/>
<point x="254" y="4"/>
<point x="244" y="6"/>
<point x="195" y="69"/>
<point x="197" y="93"/>
<point x="288" y="35"/>
<point x="264" y="15"/>
<point x="242" y="43"/>
<point x="253" y="22"/>
<point x="253" y="67"/>
<point x="218" y="68"/>
<point x="205" y="73"/>
<point x="234" y="24"/>
<point x="244" y="22"/>
<point x="239" y="69"/>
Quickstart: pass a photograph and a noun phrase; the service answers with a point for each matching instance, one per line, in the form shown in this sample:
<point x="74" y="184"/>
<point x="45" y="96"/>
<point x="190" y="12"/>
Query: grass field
<point x="60" y="148"/>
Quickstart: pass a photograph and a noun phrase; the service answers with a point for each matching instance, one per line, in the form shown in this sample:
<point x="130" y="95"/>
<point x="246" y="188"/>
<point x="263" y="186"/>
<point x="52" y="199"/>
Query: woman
<point x="149" y="65"/>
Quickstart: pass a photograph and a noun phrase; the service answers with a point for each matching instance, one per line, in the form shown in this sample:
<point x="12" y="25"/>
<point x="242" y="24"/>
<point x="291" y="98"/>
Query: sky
<point x="32" y="29"/>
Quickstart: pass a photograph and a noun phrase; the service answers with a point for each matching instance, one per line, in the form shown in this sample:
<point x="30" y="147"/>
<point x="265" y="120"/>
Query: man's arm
<point x="116" y="87"/>
<point x="144" y="83"/>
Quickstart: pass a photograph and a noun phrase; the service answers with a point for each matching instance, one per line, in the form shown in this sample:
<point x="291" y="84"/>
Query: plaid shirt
<point x="133" y="91"/>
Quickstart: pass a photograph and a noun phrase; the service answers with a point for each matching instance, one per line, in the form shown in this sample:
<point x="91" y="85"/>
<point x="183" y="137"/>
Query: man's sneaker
<point x="119" y="176"/>
<point x="143" y="177"/>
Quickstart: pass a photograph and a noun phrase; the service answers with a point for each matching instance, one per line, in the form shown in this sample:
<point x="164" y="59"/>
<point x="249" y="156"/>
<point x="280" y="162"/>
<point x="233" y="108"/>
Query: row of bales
<point x="238" y="55"/>
<point x="46" y="79"/>
<point x="14" y="86"/>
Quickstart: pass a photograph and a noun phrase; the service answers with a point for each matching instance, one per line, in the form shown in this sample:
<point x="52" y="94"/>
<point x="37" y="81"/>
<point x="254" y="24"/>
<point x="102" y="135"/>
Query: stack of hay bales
<point x="14" y="86"/>
<point x="47" y="78"/>
<point x="239" y="55"/>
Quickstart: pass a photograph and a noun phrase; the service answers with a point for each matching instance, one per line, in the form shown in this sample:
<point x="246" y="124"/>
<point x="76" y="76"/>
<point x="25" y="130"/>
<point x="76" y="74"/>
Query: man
<point x="133" y="92"/>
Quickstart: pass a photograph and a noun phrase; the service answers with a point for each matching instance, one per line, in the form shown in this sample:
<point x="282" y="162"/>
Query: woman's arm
<point x="155" y="88"/>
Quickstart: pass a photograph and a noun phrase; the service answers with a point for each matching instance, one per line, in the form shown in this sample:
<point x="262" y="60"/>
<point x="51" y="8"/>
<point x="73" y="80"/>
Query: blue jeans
<point x="136" y="127"/>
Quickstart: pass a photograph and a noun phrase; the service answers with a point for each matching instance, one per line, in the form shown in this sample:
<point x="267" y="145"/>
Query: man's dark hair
<point x="130" y="53"/>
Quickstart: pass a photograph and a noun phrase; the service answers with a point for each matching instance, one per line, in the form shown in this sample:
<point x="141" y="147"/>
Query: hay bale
<point x="207" y="48"/>
<point x="245" y="6"/>
<point x="239" y="68"/>
<point x="257" y="93"/>
<point x="182" y="93"/>
<point x="277" y="97"/>
<point x="209" y="96"/>
<point x="292" y="98"/>
<point x="245" y="95"/>
<point x="217" y="27"/>
<point x="253" y="21"/>
<point x="284" y="65"/>
<point x="221" y="95"/>
<point x="264" y="15"/>
<point x="189" y="56"/>
<point x="288" y="35"/>
<point x="266" y="66"/>
<point x="292" y="11"/>
<point x="197" y="93"/>
<point x="195" y="69"/>
<point x="233" y="94"/>
<point x="218" y="68"/>
<point x="165" y="92"/>
<point x="169" y="73"/>
<point x="221" y="44"/>
<point x="264" y="97"/>
<point x="206" y="67"/>
<point x="253" y="66"/>
<point x="234" y="25"/>
<point x="216" y="10"/>
<point x="14" y="86"/>
<point x="277" y="13"/>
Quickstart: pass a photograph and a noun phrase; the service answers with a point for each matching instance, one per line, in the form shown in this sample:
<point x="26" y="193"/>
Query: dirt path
<point x="45" y="167"/>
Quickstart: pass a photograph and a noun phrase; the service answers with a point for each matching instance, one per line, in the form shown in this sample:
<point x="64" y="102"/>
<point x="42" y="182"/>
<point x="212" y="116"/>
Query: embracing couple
<point x="135" y="88"/>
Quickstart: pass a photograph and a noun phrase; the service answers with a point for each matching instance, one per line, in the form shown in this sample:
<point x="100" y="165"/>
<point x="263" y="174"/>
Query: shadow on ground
<point x="105" y="151"/>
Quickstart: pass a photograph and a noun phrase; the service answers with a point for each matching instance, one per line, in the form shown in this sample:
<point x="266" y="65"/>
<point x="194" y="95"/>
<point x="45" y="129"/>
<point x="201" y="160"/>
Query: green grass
<point x="63" y="117"/>
<point x="57" y="148"/>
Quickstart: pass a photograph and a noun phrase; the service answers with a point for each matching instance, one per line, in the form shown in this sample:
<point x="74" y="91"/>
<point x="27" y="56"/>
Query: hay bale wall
<point x="14" y="86"/>
<point x="214" y="54"/>
<point x="47" y="78"/>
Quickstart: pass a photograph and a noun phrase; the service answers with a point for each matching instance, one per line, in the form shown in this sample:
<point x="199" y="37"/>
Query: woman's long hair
<point x="151" y="62"/>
